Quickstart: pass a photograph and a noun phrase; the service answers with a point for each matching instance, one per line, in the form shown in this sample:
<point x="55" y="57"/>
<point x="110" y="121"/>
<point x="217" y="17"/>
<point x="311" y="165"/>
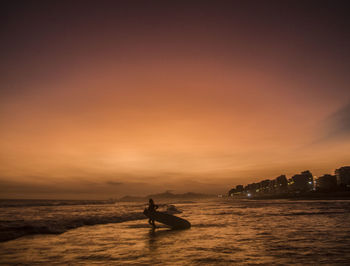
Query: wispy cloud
<point x="333" y="128"/>
<point x="338" y="124"/>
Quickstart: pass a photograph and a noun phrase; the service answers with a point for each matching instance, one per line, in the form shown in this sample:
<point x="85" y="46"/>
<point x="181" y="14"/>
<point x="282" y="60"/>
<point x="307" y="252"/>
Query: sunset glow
<point x="128" y="99"/>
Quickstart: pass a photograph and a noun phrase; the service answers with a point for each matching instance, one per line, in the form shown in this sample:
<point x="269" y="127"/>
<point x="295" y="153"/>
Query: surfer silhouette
<point x="152" y="208"/>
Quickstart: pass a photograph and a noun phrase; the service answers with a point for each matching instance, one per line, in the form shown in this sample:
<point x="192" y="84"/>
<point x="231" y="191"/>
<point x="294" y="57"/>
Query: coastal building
<point x="231" y="193"/>
<point x="326" y="183"/>
<point x="236" y="191"/>
<point x="239" y="188"/>
<point x="298" y="184"/>
<point x="281" y="184"/>
<point x="302" y="182"/>
<point x="290" y="184"/>
<point x="251" y="189"/>
<point x="343" y="176"/>
<point x="273" y="186"/>
<point x="263" y="186"/>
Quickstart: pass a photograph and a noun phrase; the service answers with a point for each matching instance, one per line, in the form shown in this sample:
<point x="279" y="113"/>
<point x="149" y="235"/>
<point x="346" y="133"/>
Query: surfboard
<point x="168" y="219"/>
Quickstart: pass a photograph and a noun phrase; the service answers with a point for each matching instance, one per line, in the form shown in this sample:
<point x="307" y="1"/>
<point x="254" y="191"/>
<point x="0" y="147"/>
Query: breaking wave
<point x="14" y="229"/>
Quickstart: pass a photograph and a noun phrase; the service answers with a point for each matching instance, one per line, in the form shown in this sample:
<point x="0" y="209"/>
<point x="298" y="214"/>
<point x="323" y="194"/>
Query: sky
<point x="100" y="99"/>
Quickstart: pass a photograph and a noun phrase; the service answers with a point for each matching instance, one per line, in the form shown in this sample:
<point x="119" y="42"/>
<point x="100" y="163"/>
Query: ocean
<point x="223" y="232"/>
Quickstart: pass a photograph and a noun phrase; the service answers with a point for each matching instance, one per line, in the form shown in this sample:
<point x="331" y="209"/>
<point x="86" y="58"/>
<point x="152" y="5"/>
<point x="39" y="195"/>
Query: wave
<point x="10" y="230"/>
<point x="314" y="213"/>
<point x="206" y="225"/>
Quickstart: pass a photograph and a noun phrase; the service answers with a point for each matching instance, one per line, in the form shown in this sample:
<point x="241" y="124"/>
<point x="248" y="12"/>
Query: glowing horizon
<point x="100" y="104"/>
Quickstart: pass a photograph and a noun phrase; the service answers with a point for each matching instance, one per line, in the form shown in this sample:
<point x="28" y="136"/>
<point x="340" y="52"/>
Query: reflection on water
<point x="222" y="233"/>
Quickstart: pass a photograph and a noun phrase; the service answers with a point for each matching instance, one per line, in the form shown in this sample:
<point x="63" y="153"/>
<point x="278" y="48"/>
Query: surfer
<point x="152" y="208"/>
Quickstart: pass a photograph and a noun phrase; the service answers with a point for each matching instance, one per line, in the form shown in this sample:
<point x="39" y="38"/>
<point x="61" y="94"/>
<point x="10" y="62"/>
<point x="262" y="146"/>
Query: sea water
<point x="223" y="232"/>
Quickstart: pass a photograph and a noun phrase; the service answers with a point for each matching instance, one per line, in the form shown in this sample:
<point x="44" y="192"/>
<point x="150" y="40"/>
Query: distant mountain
<point x="131" y="199"/>
<point x="167" y="195"/>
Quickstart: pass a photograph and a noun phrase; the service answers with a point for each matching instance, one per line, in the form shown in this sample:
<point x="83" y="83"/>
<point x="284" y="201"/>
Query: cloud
<point x="339" y="123"/>
<point x="336" y="127"/>
<point x="114" y="183"/>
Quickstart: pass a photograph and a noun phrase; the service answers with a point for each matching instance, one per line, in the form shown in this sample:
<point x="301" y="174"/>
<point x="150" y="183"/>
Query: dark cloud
<point x="114" y="183"/>
<point x="334" y="128"/>
<point x="339" y="124"/>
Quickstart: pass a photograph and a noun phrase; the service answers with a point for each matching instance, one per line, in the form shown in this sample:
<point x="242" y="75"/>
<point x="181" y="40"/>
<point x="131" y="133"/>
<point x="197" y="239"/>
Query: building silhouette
<point x="326" y="183"/>
<point x="299" y="184"/>
<point x="343" y="176"/>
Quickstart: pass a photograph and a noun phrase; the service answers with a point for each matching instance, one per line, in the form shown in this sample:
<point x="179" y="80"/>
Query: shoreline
<point x="343" y="195"/>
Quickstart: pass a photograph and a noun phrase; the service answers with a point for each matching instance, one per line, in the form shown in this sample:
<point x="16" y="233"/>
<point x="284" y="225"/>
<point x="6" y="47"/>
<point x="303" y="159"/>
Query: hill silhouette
<point x="166" y="196"/>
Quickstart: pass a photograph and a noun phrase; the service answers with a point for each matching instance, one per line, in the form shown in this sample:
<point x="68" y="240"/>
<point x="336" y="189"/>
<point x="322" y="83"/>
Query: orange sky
<point x="99" y="105"/>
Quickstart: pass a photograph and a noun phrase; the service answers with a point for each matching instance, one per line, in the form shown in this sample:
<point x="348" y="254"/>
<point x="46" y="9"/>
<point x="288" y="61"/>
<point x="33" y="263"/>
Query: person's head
<point x="151" y="201"/>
